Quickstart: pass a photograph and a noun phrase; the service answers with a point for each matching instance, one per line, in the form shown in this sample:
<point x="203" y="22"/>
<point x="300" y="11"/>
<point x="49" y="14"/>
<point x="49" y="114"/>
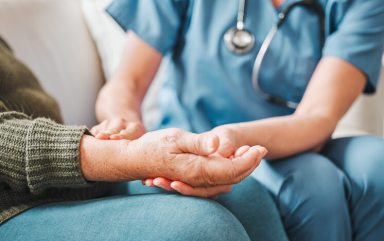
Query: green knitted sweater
<point x="39" y="158"/>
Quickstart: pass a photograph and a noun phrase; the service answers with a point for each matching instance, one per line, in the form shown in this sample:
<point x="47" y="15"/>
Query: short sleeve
<point x="359" y="38"/>
<point x="157" y="22"/>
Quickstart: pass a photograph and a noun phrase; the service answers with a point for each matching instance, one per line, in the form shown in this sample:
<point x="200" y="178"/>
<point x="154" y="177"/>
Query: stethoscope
<point x="239" y="40"/>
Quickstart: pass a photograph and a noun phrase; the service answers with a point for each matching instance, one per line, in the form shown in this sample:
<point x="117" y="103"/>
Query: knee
<point x="207" y="220"/>
<point x="313" y="187"/>
<point x="370" y="164"/>
<point x="202" y="219"/>
<point x="171" y="217"/>
<point x="364" y="162"/>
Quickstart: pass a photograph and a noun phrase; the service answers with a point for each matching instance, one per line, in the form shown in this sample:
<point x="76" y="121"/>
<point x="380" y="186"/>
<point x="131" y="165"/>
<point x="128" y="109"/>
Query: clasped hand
<point x="203" y="165"/>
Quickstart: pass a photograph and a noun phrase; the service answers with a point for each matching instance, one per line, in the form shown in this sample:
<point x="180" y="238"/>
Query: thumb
<point x="199" y="144"/>
<point x="226" y="148"/>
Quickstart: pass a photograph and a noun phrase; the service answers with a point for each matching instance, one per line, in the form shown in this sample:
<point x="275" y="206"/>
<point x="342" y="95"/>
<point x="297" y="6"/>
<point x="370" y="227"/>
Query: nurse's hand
<point x="118" y="129"/>
<point x="228" y="140"/>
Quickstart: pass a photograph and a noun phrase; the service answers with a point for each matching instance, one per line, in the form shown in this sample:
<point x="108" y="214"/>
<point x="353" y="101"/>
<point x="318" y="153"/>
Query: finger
<point x="116" y="125"/>
<point x="199" y="144"/>
<point x="220" y="171"/>
<point x="208" y="192"/>
<point x="94" y="130"/>
<point x="124" y="135"/>
<point x="102" y="136"/>
<point x="188" y="190"/>
<point x="98" y="128"/>
<point x="134" y="130"/>
<point x="148" y="182"/>
<point x="250" y="160"/>
<point x="240" y="151"/>
<point x="116" y="137"/>
<point x="163" y="183"/>
<point x="112" y="131"/>
<point x="226" y="148"/>
<point x="129" y="134"/>
<point x="106" y="134"/>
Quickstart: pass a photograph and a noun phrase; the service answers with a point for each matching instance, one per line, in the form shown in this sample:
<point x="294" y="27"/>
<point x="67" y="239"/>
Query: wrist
<point x="102" y="160"/>
<point x="233" y="131"/>
<point x="115" y="101"/>
<point x="87" y="157"/>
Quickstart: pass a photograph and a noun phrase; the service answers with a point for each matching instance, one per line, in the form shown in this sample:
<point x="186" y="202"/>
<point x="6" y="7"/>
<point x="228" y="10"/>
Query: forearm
<point x="118" y="99"/>
<point x="325" y="102"/>
<point x="108" y="161"/>
<point x="285" y="136"/>
<point x="123" y="94"/>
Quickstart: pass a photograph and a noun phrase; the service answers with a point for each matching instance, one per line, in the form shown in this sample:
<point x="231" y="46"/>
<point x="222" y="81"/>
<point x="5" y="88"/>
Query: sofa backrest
<point x="52" y="38"/>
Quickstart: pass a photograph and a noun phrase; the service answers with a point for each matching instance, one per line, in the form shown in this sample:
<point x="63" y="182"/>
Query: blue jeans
<point x="335" y="195"/>
<point x="134" y="212"/>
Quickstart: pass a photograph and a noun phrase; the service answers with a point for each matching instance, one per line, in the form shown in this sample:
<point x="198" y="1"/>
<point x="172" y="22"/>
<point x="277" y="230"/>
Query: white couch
<point x="71" y="44"/>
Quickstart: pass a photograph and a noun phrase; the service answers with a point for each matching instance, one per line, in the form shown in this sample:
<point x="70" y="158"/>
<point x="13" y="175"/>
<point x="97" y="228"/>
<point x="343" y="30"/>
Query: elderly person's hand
<point x="188" y="190"/>
<point x="172" y="154"/>
<point x="228" y="148"/>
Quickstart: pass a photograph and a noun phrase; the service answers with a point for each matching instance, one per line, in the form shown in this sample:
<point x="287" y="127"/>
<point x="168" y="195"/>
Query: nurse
<point x="314" y="69"/>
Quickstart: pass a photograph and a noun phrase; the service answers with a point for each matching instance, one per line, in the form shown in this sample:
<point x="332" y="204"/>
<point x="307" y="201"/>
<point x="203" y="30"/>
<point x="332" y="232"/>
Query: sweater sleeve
<point x="37" y="154"/>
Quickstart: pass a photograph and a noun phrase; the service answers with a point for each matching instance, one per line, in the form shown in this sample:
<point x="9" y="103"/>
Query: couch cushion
<point x="366" y="115"/>
<point x="109" y="38"/>
<point x="51" y="37"/>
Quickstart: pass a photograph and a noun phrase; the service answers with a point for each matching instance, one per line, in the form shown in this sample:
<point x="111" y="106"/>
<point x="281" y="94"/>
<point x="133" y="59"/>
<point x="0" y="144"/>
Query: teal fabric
<point x="335" y="195"/>
<point x="205" y="85"/>
<point x="133" y="212"/>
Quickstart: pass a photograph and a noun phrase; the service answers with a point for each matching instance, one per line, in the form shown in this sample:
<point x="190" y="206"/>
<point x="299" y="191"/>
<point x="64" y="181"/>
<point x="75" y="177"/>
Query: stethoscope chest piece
<point x="239" y="41"/>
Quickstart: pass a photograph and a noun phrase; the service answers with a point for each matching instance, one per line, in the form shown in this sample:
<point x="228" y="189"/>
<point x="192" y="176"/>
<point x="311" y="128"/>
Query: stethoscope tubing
<point x="312" y="4"/>
<point x="256" y="71"/>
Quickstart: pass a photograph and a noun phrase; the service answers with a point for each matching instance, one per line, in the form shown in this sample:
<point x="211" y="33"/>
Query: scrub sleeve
<point x="357" y="36"/>
<point x="156" y="22"/>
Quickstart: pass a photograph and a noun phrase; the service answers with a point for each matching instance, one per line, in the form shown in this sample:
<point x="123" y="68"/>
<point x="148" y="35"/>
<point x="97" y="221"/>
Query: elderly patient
<point x="58" y="182"/>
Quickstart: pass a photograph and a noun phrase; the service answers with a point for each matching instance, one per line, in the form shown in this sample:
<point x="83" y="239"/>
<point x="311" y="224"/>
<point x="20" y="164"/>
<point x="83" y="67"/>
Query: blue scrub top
<point x="205" y="85"/>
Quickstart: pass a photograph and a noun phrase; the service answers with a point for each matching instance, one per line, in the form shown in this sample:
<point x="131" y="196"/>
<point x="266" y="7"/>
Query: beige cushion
<point x="109" y="38"/>
<point x="366" y="116"/>
<point x="107" y="34"/>
<point x="51" y="37"/>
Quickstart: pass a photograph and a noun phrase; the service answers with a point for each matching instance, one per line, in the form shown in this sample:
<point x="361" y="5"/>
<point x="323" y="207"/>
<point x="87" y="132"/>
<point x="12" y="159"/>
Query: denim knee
<point x="208" y="220"/>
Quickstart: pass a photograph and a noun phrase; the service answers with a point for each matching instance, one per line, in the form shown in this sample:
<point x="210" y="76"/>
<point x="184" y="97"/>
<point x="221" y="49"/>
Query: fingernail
<point x="262" y="150"/>
<point x="111" y="131"/>
<point x="148" y="183"/>
<point x="156" y="182"/>
<point x="174" y="186"/>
